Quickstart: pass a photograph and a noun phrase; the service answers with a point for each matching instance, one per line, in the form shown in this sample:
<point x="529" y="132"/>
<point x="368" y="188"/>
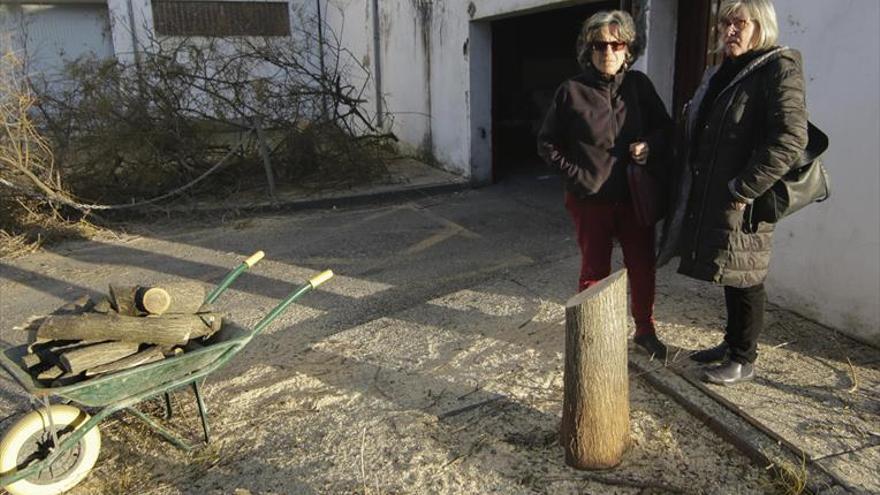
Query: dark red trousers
<point x="596" y="225"/>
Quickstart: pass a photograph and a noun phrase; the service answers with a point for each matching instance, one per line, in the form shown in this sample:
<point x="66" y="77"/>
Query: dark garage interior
<point x="531" y="55"/>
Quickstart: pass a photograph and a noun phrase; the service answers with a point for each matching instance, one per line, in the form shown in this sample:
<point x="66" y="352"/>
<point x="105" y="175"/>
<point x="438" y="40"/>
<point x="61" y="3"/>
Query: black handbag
<point x="806" y="183"/>
<point x="646" y="193"/>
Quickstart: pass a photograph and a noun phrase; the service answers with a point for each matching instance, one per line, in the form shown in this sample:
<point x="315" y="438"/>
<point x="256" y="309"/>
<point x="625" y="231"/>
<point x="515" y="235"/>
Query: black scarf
<point x="725" y="75"/>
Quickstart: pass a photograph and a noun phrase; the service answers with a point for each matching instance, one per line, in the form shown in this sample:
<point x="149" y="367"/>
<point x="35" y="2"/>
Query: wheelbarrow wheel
<point x="31" y="439"/>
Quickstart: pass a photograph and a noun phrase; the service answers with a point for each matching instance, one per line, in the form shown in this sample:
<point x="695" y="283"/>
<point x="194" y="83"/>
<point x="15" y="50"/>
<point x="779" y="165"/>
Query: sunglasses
<point x="738" y="24"/>
<point x="601" y="46"/>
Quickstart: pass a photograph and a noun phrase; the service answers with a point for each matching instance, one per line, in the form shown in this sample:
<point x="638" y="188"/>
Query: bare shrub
<point x="28" y="176"/>
<point x="125" y="131"/>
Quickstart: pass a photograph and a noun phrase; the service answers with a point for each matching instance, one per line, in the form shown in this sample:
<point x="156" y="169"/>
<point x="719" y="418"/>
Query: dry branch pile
<point x="130" y="327"/>
<point x="198" y="117"/>
<point x="31" y="188"/>
<point x="127" y="131"/>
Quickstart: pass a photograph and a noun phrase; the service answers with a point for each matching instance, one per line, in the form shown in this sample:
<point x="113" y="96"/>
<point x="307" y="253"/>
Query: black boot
<point x="651" y="344"/>
<point x="712" y="354"/>
<point x="730" y="373"/>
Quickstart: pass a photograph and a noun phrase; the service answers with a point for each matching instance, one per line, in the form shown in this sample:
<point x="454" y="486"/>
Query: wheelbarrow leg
<point x="203" y="412"/>
<point x="168" y="412"/>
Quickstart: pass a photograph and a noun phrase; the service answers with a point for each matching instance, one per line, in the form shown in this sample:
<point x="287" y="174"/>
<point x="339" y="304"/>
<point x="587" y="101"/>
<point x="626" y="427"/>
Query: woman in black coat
<point x="745" y="128"/>
<point x="600" y="122"/>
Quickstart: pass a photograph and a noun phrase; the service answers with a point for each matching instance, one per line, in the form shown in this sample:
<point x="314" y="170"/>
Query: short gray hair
<point x="762" y="14"/>
<point x="626" y="32"/>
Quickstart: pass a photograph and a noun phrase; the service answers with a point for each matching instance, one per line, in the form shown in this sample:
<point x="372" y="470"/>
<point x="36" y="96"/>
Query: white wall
<point x="826" y="260"/>
<point x="46" y="36"/>
<point x="659" y="58"/>
<point x="436" y="75"/>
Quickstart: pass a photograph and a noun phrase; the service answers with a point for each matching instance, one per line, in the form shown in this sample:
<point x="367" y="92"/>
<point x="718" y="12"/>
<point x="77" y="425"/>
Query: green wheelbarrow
<point x="51" y="449"/>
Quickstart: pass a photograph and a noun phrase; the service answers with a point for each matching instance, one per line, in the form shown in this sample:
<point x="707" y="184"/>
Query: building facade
<point x="463" y="84"/>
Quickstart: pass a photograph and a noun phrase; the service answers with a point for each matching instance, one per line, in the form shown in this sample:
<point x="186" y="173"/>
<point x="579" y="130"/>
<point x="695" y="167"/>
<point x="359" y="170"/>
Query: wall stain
<point x="424" y="13"/>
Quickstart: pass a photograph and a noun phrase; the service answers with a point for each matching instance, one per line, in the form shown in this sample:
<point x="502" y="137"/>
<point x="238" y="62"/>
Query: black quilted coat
<point x="753" y="133"/>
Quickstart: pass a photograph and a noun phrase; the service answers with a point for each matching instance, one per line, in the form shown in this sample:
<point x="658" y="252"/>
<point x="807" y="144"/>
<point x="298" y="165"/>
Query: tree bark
<point x="48" y="351"/>
<point x="50" y="373"/>
<point x="122" y="298"/>
<point x="164" y="330"/>
<point x="184" y="297"/>
<point x="83" y="358"/>
<point x="595" y="415"/>
<point x="170" y="298"/>
<point x="148" y="355"/>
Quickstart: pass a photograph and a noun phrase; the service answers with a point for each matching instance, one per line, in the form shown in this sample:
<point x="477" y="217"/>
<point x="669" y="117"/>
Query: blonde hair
<point x="626" y="32"/>
<point x="762" y="14"/>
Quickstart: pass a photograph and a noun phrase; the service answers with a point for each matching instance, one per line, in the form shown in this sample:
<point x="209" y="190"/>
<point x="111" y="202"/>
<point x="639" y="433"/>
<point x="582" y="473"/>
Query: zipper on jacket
<point x="613" y="117"/>
<point x="709" y="172"/>
<point x="747" y="71"/>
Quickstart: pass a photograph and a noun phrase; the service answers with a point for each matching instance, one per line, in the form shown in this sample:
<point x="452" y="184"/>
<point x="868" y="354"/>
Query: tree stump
<point x="595" y="415"/>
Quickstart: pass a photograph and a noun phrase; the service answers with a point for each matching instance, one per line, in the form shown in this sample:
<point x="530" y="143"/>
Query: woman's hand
<point x="639" y="152"/>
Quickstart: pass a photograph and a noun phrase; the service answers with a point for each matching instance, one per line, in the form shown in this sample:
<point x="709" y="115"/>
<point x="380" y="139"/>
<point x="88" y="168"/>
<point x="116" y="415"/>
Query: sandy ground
<point x="398" y="376"/>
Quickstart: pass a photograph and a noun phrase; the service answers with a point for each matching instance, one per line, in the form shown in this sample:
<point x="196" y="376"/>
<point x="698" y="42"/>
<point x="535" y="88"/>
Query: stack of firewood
<point x="130" y="327"/>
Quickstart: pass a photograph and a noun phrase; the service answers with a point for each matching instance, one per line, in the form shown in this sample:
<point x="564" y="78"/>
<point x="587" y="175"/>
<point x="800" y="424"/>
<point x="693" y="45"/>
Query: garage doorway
<point x="531" y="55"/>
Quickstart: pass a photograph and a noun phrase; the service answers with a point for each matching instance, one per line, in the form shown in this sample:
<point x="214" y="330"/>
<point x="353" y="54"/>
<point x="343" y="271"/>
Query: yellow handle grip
<point x="254" y="258"/>
<point x="321" y="278"/>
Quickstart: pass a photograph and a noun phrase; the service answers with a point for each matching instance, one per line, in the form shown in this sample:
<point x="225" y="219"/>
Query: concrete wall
<point x="424" y="71"/>
<point x="132" y="24"/>
<point x="826" y="261"/>
<point x="45" y="36"/>
<point x="659" y="58"/>
<point x="436" y="68"/>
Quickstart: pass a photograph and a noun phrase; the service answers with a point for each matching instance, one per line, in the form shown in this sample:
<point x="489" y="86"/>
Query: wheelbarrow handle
<point x="254" y="258"/>
<point x="320" y="278"/>
<point x="296" y="294"/>
<point x="226" y="282"/>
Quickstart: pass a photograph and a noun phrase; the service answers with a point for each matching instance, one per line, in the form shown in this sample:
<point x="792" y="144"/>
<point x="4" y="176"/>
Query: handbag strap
<point x="817" y="143"/>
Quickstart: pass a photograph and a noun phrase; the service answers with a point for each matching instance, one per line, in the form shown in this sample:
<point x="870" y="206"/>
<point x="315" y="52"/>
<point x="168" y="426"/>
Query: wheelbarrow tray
<point x="123" y="389"/>
<point x="134" y="384"/>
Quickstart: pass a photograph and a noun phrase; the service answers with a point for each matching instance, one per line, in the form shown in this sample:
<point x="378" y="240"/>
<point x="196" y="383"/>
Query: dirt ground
<point x="431" y="364"/>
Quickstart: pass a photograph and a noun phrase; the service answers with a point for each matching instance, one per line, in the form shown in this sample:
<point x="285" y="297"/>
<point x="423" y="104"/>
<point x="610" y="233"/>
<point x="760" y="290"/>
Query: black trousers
<point x="745" y="320"/>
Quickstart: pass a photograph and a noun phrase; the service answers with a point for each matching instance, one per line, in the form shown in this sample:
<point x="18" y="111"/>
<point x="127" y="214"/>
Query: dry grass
<point x="30" y="227"/>
<point x="27" y="169"/>
<point x="789" y="478"/>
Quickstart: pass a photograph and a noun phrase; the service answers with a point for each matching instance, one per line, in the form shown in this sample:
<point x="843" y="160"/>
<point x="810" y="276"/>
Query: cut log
<point x="30" y="360"/>
<point x="80" y="305"/>
<point x="103" y="306"/>
<point x="171" y="351"/>
<point x="83" y="358"/>
<point x="166" y="329"/>
<point x="169" y="297"/>
<point x="67" y="379"/>
<point x="595" y="429"/>
<point x="184" y="297"/>
<point x="154" y="300"/>
<point x="145" y="356"/>
<point x="47" y="351"/>
<point x="122" y="298"/>
<point x="51" y="373"/>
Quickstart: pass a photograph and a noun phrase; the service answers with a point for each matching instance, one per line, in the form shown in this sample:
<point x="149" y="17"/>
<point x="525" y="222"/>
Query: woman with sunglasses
<point x="598" y="123"/>
<point x="745" y="127"/>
